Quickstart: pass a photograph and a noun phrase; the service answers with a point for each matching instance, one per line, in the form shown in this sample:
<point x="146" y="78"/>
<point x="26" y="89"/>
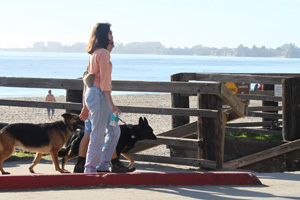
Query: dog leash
<point x="122" y="121"/>
<point x="128" y="125"/>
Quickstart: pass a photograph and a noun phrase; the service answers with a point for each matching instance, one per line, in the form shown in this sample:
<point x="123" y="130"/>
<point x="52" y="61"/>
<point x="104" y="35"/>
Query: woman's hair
<point x="99" y="37"/>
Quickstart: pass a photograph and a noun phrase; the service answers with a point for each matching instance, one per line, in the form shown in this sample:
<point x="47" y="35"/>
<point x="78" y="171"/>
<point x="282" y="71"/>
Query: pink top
<point x="100" y="59"/>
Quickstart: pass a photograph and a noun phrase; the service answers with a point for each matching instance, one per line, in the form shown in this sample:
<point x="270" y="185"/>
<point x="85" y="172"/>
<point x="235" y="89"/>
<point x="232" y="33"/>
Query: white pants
<point x="98" y="105"/>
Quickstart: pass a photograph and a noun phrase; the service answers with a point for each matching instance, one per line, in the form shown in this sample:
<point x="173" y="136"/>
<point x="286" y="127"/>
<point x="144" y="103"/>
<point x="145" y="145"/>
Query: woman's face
<point x="111" y="42"/>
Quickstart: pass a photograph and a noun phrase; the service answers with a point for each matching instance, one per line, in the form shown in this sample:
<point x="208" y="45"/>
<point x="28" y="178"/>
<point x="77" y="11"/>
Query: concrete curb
<point x="112" y="179"/>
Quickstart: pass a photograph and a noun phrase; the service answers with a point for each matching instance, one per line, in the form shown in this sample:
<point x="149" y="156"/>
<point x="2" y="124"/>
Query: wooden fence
<point x="276" y="120"/>
<point x="217" y="116"/>
<point x="201" y="143"/>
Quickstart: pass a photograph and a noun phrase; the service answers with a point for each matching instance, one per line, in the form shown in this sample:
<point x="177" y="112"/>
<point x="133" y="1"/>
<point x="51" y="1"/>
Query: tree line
<point x="286" y="50"/>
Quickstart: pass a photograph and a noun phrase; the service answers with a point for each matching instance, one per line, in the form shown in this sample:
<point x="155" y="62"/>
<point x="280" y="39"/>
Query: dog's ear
<point x="141" y="122"/>
<point x="66" y="115"/>
<point x="145" y="121"/>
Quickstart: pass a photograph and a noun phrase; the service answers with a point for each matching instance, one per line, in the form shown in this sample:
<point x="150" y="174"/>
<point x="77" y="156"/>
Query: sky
<point x="174" y="23"/>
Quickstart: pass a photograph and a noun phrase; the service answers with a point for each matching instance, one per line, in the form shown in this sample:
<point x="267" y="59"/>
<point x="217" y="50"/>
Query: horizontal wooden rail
<point x="250" y="124"/>
<point x="174" y="141"/>
<point x="125" y="109"/>
<point x="265" y="115"/>
<point x="136" y="86"/>
<point x="237" y="78"/>
<point x="54" y="83"/>
<point x="41" y="104"/>
<point x="265" y="108"/>
<point x="258" y="97"/>
<point x="250" y="97"/>
<point x="176" y="160"/>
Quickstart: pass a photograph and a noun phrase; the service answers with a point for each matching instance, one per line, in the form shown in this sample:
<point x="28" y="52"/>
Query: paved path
<point x="275" y="186"/>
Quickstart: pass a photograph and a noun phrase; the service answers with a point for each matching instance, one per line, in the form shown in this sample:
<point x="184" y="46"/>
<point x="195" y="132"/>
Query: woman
<point x="98" y="100"/>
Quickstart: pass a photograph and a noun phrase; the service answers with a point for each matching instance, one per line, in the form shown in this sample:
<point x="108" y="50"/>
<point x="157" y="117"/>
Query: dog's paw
<point x="5" y="173"/>
<point x="31" y="170"/>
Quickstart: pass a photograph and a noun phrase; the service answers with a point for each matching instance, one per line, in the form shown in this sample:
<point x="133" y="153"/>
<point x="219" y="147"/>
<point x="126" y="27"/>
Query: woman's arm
<point x="84" y="111"/>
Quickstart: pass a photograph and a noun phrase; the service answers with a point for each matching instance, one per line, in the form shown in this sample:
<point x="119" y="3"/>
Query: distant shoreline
<point x="156" y="48"/>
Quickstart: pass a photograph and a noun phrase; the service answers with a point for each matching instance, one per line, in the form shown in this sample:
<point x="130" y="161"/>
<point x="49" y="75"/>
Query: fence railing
<point x="221" y="93"/>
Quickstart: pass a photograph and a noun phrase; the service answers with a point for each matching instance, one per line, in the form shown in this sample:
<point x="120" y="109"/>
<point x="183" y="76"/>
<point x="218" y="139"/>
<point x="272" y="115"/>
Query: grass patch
<point x="22" y="154"/>
<point x="255" y="136"/>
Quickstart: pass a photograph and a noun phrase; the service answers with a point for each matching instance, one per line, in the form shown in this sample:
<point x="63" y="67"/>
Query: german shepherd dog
<point x="39" y="138"/>
<point x="130" y="134"/>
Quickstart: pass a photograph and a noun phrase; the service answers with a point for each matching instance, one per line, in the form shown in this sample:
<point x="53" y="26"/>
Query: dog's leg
<point x="36" y="160"/>
<point x="54" y="156"/>
<point x="3" y="157"/>
<point x="65" y="160"/>
<point x="130" y="158"/>
<point x="5" y="150"/>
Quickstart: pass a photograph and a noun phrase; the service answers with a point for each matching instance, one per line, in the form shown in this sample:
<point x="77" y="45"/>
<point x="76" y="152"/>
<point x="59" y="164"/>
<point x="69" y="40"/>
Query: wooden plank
<point x="179" y="101"/>
<point x="291" y="108"/>
<point x="135" y="86"/>
<point x="265" y="108"/>
<point x="263" y="93"/>
<point x="173" y="141"/>
<point x="259" y="97"/>
<point x="170" y="111"/>
<point x="181" y="131"/>
<point x="40" y="104"/>
<point x="128" y="109"/>
<point x="265" y="115"/>
<point x="54" y="83"/>
<point x="210" y="130"/>
<point x="202" y="163"/>
<point x="256" y="131"/>
<point x="237" y="78"/>
<point x="230" y="99"/>
<point x="220" y="160"/>
<point x="251" y="97"/>
<point x="249" y="124"/>
<point x="263" y="155"/>
<point x="173" y="87"/>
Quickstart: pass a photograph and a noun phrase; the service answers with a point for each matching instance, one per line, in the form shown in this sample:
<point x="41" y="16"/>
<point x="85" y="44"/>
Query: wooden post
<point x="291" y="109"/>
<point x="179" y="101"/>
<point x="269" y="103"/>
<point x="211" y="130"/>
<point x="74" y="96"/>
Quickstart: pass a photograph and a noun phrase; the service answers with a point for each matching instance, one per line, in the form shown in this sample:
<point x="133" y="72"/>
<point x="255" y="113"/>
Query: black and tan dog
<point x="39" y="138"/>
<point x="130" y="134"/>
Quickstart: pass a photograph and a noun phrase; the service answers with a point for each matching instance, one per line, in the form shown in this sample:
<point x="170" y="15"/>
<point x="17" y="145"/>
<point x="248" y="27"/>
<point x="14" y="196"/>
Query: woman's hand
<point x="115" y="109"/>
<point x="84" y="113"/>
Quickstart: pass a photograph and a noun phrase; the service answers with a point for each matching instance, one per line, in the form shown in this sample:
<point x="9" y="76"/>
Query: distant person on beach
<point x="50" y="97"/>
<point x="98" y="104"/>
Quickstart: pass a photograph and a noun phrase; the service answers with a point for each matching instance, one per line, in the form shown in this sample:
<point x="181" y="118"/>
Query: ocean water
<point x="129" y="67"/>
